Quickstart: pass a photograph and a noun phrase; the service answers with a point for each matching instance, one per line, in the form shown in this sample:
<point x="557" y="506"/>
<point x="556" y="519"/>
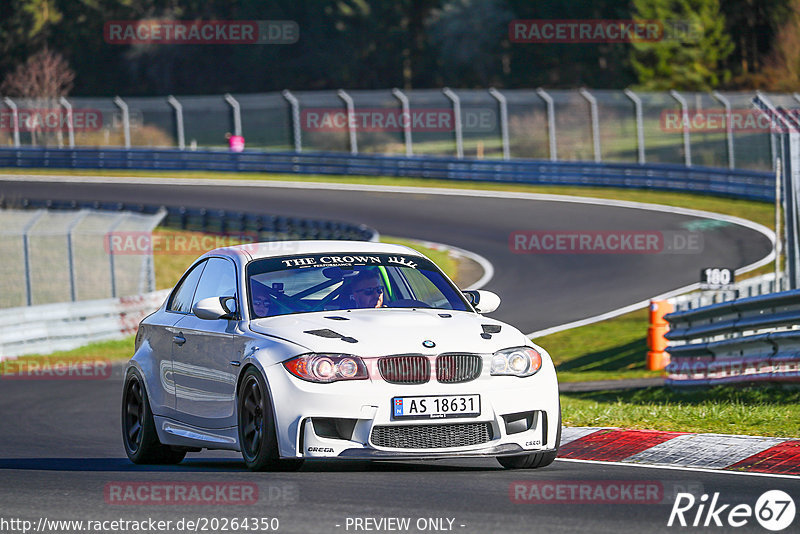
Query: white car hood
<point x="376" y="332"/>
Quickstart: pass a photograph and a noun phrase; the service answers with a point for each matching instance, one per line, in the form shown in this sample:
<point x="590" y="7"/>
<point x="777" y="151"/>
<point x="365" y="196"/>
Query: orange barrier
<point x="657" y="357"/>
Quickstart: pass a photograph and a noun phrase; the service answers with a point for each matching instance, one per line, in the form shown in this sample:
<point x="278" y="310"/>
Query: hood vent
<point x="489" y="329"/>
<point x="328" y="333"/>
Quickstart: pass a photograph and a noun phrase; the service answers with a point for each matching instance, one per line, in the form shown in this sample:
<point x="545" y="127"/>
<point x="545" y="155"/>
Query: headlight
<point x="326" y="368"/>
<point x="519" y="361"/>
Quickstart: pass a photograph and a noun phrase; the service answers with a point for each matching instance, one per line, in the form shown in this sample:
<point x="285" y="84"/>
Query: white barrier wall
<point x="52" y="327"/>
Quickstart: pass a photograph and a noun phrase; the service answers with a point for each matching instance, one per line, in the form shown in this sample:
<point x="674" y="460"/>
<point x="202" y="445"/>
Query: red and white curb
<point x="682" y="449"/>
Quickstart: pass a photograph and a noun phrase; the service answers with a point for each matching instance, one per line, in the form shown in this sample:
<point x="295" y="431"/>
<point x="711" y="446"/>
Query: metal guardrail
<point x="50" y="327"/>
<point x="744" y="340"/>
<point x="754" y="185"/>
<point x="749" y="287"/>
<point x="225" y="222"/>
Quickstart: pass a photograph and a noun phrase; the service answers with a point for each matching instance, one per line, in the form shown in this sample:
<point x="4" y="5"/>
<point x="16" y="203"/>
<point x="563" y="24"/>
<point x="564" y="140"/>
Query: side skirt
<point x="177" y="434"/>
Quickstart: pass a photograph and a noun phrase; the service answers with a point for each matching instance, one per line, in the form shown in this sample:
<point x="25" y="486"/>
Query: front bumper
<point x="509" y="449"/>
<point x="363" y="406"/>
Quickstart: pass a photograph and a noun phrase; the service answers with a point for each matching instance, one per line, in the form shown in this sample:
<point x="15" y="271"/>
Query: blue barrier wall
<point x="754" y="185"/>
<point x="260" y="226"/>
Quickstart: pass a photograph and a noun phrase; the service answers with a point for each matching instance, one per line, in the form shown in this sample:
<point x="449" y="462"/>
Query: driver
<point x="261" y="299"/>
<point x="367" y="290"/>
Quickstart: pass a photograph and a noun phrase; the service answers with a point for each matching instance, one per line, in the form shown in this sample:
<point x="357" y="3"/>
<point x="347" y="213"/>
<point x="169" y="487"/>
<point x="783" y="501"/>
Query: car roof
<point x="270" y="249"/>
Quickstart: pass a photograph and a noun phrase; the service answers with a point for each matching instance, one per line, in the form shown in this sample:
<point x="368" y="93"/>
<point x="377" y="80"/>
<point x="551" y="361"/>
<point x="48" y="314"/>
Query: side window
<point x="181" y="300"/>
<point x="218" y="280"/>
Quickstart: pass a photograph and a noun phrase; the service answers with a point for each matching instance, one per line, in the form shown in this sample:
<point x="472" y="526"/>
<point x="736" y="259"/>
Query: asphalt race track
<point x="538" y="290"/>
<point x="60" y="447"/>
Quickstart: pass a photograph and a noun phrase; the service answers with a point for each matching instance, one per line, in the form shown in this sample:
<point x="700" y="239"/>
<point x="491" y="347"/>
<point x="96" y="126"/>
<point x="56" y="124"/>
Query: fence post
<point x="637" y="106"/>
<point x="15" y="118"/>
<point x="399" y="95"/>
<point x="790" y="168"/>
<point x="70" y="125"/>
<point x="778" y="242"/>
<point x="595" y="122"/>
<point x="687" y="147"/>
<point x="237" y="113"/>
<point x="27" y="255"/>
<point x="295" y="105"/>
<point x="178" y="120"/>
<point x="785" y="177"/>
<point x="728" y="127"/>
<point x="790" y="171"/>
<point x="120" y="218"/>
<point x="457" y="120"/>
<point x="551" y="122"/>
<point x="151" y="268"/>
<point x="126" y="122"/>
<point x="791" y="184"/>
<point x="70" y="252"/>
<point x="351" y="122"/>
<point x="501" y="100"/>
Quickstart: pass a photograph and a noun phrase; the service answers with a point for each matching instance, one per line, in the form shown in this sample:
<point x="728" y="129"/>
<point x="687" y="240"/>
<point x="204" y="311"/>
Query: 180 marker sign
<point x="717" y="278"/>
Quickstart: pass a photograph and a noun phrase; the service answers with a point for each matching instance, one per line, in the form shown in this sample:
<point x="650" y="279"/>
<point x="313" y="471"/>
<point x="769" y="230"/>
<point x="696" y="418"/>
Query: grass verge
<point x="760" y="411"/>
<point x="608" y="350"/>
<point x="114" y="350"/>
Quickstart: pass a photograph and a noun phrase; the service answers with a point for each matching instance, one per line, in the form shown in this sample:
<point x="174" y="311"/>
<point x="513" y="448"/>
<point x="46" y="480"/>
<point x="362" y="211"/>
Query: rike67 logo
<point x="774" y="510"/>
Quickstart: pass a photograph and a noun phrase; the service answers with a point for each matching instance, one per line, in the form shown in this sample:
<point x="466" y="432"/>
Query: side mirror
<point x="229" y="303"/>
<point x="483" y="301"/>
<point x="214" y="308"/>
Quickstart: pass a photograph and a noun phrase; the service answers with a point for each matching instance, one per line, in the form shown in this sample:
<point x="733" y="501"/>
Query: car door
<point x="160" y="332"/>
<point x="205" y="378"/>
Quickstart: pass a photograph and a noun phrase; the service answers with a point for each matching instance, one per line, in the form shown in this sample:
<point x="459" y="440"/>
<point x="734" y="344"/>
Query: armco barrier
<point x="749" y="287"/>
<point x="745" y="340"/>
<point x="264" y="227"/>
<point x="51" y="327"/>
<point x="754" y="185"/>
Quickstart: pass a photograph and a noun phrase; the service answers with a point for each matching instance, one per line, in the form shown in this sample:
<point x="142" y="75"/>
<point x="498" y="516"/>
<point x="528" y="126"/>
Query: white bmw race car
<point x="334" y="349"/>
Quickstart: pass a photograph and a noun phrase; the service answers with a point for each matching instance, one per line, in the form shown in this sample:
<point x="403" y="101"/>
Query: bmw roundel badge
<point x="428" y="344"/>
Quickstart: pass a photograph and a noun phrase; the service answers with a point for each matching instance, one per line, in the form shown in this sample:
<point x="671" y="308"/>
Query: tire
<point x="536" y="459"/>
<point x="257" y="438"/>
<point x="139" y="434"/>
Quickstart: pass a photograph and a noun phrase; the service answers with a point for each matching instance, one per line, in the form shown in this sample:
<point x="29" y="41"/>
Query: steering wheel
<point x="329" y="298"/>
<point x="286" y="301"/>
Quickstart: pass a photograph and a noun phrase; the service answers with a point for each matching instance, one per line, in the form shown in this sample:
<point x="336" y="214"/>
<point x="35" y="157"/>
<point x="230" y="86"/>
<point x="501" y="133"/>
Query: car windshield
<point x="329" y="282"/>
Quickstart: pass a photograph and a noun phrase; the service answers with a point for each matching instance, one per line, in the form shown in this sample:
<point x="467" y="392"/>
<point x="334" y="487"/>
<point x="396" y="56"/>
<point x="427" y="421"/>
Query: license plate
<point x="436" y="406"/>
